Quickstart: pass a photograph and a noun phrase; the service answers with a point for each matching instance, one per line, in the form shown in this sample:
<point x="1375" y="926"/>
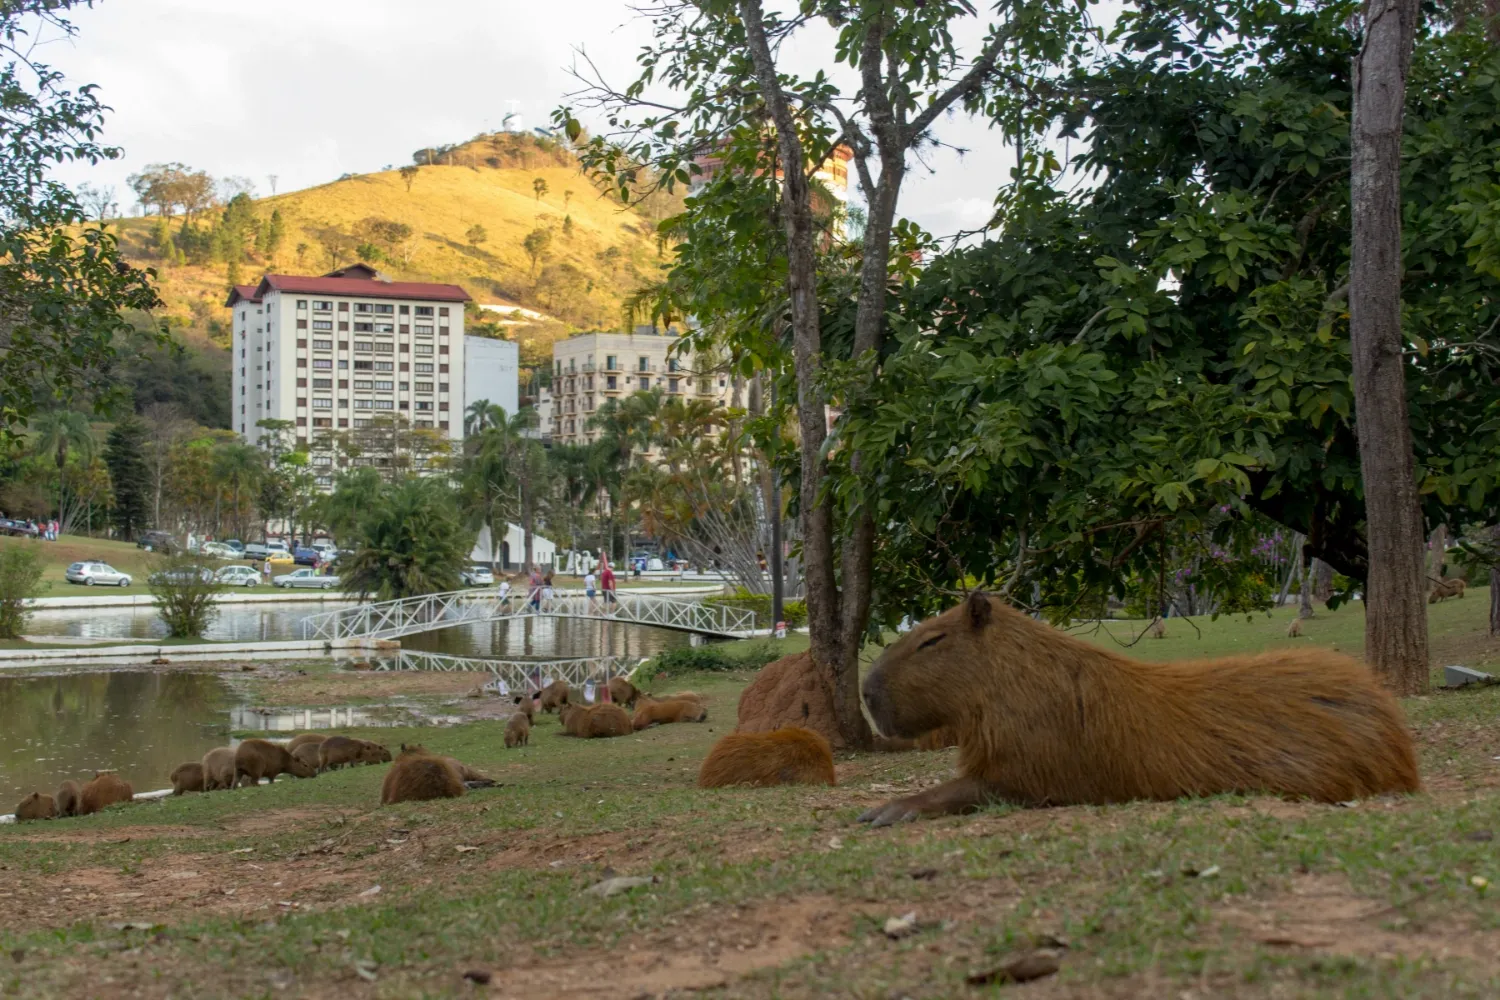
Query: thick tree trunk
<point x="1304" y="588"/>
<point x="1395" y="611"/>
<point x="1495" y="600"/>
<point x="1322" y="580"/>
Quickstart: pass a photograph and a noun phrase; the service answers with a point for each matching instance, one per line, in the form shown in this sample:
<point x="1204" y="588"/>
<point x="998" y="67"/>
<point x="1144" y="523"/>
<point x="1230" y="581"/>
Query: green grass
<point x="124" y="556"/>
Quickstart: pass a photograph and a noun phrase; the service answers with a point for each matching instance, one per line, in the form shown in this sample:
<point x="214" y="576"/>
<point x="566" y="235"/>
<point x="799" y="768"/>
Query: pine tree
<point x="161" y="240"/>
<point x="275" y="233"/>
<point x="125" y="457"/>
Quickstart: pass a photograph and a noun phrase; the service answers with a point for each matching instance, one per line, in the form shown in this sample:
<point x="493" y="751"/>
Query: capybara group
<point x="622" y="692"/>
<point x="652" y="712"/>
<point x="1047" y="719"/>
<point x="598" y="722"/>
<point x="36" y="806"/>
<point x="256" y="759"/>
<point x="187" y="778"/>
<point x="518" y="731"/>
<point x="337" y="751"/>
<point x="68" y="795"/>
<point x="218" y="769"/>
<point x="554" y="696"/>
<point x="106" y="789"/>
<point x="418" y="775"/>
<point x="790" y="755"/>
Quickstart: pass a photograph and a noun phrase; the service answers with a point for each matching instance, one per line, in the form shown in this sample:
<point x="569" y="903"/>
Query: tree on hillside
<point x="125" y="457"/>
<point x="536" y="244"/>
<point x="165" y="429"/>
<point x="539" y="187"/>
<point x="100" y="201"/>
<point x="476" y="234"/>
<point x="408" y="541"/>
<point x="275" y="233"/>
<point x="408" y="174"/>
<point x="567" y="197"/>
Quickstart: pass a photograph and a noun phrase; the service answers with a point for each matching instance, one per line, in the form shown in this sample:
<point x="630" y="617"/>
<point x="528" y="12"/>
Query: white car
<point x="306" y="577"/>
<point x="477" y="576"/>
<point x="218" y="550"/>
<point x="238" y="576"/>
<point x="97" y="574"/>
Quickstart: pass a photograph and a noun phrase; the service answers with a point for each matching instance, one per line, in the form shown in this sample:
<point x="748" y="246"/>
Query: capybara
<point x="673" y="710"/>
<point x="308" y="753"/>
<point x="518" y="731"/>
<point x="938" y="739"/>
<point x="373" y="753"/>
<point x="67" y="798"/>
<point x="1157" y="629"/>
<point x="36" y="806"/>
<point x="526" y="705"/>
<point x="187" y="778"/>
<point x="1047" y="719"/>
<point x="790" y="755"/>
<point x="470" y="777"/>
<point x="554" y="696"/>
<point x="106" y="789"/>
<point x="303" y="739"/>
<point x="622" y="692"/>
<point x="256" y="759"/>
<point x="1294" y="630"/>
<point x="337" y="751"/>
<point x="418" y="775"/>
<point x="218" y="769"/>
<point x="598" y="722"/>
<point x="1444" y="589"/>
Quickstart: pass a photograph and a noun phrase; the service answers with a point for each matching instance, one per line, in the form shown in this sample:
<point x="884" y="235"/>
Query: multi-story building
<point x="832" y="174"/>
<point x="589" y="368"/>
<point x="347" y="351"/>
<point x="492" y="371"/>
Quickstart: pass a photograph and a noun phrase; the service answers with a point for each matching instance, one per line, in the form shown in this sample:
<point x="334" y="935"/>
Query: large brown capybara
<point x="218" y="769"/>
<point x="187" y="778"/>
<point x="418" y="775"/>
<point x="67" y="798"/>
<point x="652" y="713"/>
<point x="938" y="739"/>
<point x="303" y="739"/>
<point x="1046" y="719"/>
<point x="36" y="806"/>
<point x="622" y="692"/>
<point x="526" y="705"/>
<point x="518" y="731"/>
<point x="308" y="753"/>
<point x="787" y="756"/>
<point x="256" y="759"/>
<point x="598" y="722"/>
<point x="1444" y="589"/>
<point x="339" y="751"/>
<point x="554" y="696"/>
<point x="106" y="789"/>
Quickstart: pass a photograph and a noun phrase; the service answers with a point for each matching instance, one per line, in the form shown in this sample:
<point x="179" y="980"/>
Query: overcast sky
<point x="313" y="89"/>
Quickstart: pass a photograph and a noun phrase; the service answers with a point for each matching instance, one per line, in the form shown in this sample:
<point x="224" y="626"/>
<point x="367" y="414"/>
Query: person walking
<point x="535" y="596"/>
<point x="547" y="591"/>
<point x="588" y="589"/>
<point x="607" y="583"/>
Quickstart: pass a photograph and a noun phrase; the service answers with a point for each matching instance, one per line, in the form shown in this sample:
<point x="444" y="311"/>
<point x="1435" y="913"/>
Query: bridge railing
<point x="519" y="675"/>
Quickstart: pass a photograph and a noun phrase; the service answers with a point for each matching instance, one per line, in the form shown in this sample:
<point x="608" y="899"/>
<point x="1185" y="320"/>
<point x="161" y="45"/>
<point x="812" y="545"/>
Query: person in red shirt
<point x="606" y="579"/>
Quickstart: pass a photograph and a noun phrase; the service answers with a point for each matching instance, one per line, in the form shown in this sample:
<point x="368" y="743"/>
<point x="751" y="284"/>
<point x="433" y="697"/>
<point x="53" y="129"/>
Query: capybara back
<point x="554" y="696"/>
<point x="68" y="795"/>
<point x="218" y="769"/>
<point x="339" y="751"/>
<point x="303" y="739"/>
<point x="309" y="755"/>
<point x="526" y="705"/>
<point x="622" y="692"/>
<point x="105" y="790"/>
<point x="517" y="731"/>
<point x="256" y="759"/>
<point x="669" y="711"/>
<point x="787" y="756"/>
<point x="36" y="806"/>
<point x="187" y="778"/>
<point x="418" y="776"/>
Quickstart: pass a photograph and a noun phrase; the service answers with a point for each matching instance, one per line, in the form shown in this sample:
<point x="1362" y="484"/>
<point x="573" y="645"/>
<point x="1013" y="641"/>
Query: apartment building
<point x="492" y="371"/>
<point x="347" y="351"/>
<point x="589" y="368"/>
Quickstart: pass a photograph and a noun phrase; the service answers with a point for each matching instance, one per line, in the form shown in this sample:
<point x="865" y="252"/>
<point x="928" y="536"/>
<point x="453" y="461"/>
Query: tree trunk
<point x="1395" y="612"/>
<point x="1322" y="580"/>
<point x="1494" y="600"/>
<point x="528" y="514"/>
<point x="1304" y="588"/>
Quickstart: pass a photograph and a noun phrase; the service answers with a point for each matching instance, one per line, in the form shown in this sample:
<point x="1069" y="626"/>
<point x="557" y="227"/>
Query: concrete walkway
<point x="135" y="651"/>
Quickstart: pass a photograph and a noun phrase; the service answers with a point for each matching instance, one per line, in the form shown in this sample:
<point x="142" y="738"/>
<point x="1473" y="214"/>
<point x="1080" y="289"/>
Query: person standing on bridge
<point x="588" y="588"/>
<point x="534" y="598"/>
<point x="607" y="582"/>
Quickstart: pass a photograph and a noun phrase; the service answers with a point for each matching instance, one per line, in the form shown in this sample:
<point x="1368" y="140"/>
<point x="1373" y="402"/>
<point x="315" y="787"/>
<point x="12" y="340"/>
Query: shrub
<point x="794" y="613"/>
<point x="186" y="594"/>
<point x="711" y="658"/>
<point x="20" y="580"/>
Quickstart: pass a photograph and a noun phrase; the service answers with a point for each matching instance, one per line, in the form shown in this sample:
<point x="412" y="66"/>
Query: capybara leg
<point x="957" y="796"/>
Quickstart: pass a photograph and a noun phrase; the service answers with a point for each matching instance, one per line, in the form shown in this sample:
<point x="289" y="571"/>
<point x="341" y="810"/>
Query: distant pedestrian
<point x="535" y="596"/>
<point x="607" y="581"/>
<point x="547" y="591"/>
<point x="505" y="594"/>
<point x="588" y="587"/>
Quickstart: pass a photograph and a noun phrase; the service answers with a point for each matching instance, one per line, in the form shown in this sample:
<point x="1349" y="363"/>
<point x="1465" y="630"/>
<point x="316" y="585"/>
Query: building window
<point x="442" y="387"/>
<point x="301" y="325"/>
<point x="422" y="386"/>
<point x="427" y="349"/>
<point x="343" y="307"/>
<point x="324" y="364"/>
<point x="301" y="362"/>
<point x="322" y="345"/>
<point x="362" y="307"/>
<point x="363" y="383"/>
<point x="384" y="309"/>
<point x="301" y="305"/>
<point x="424" y="310"/>
<point x="343" y="421"/>
<point x="406" y="310"/>
<point x="361" y="421"/>
<point x="442" y="348"/>
<point x="424" y="329"/>
<point x="382" y="404"/>
<point x="322" y="403"/>
<point x="442" y="310"/>
<point x="325" y="480"/>
<point x="385" y="385"/>
<point x="424" y="368"/>
<point x="301" y="421"/>
<point x="301" y="382"/>
<point x="322" y="421"/>
<point x="672" y="364"/>
<point x="422" y="423"/>
<point x="610" y="382"/>
<point x="322" y="324"/>
<point x="672" y="385"/>
<point x="424" y="405"/>
<point x="363" y="347"/>
<point x="319" y="383"/>
<point x="363" y="366"/>
<point x="343" y="326"/>
<point x="365" y="327"/>
<point x="442" y="369"/>
<point x="645" y="383"/>
<point x="322" y="305"/>
<point x="384" y="328"/>
<point x="385" y="347"/>
<point x="385" y="366"/>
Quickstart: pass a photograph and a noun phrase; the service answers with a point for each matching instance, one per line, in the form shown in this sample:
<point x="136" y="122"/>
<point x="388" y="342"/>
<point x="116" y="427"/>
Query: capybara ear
<point x="978" y="608"/>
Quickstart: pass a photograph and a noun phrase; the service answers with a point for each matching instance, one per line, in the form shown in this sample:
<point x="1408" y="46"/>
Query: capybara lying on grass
<point x="418" y="775"/>
<point x="790" y="755"/>
<point x="256" y="759"/>
<point x="518" y="731"/>
<point x="218" y="769"/>
<point x="1047" y="719"/>
<point x="598" y="722"/>
<point x="106" y="789"/>
<point x="187" y="778"/>
<point x="303" y="739"/>
<point x="68" y="796"/>
<point x="622" y="692"/>
<point x="554" y="696"/>
<point x="36" y="806"/>
<point x="652" y="713"/>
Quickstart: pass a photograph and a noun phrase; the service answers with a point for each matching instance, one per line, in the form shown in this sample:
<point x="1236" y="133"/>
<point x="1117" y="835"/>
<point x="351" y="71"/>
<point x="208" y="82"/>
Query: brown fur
<point x="256" y="759"/>
<point x="518" y="731"/>
<point x="938" y="739"/>
<point x="788" y="756"/>
<point x="467" y="773"/>
<point x="1158" y="629"/>
<point x="67" y="798"/>
<point x="1294" y="630"/>
<point x="373" y="753"/>
<point x="106" y="789"/>
<point x="187" y="778"/>
<point x="1047" y="719"/>
<point x="526" y="705"/>
<point x="303" y="739"/>
<point x="673" y="710"/>
<point x="418" y="775"/>
<point x="622" y="692"/>
<point x="218" y="769"/>
<point x="36" y="806"/>
<point x="308" y="754"/>
<point x="598" y="722"/>
<point x="1444" y="589"/>
<point x="337" y="751"/>
<point x="554" y="696"/>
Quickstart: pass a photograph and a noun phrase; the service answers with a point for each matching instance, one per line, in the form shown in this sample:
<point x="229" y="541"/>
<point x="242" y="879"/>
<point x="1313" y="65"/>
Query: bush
<point x="711" y="658"/>
<point x="186" y="594"/>
<point x="20" y="580"/>
<point x="794" y="613"/>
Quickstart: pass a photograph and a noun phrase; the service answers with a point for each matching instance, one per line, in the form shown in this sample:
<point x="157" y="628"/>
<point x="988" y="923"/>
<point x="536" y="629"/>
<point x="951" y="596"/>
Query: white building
<point x="492" y="371"/>
<point x="347" y="351"/>
<point x="513" y="548"/>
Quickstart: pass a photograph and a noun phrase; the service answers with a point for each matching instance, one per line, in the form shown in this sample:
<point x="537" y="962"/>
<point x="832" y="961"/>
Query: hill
<point x="509" y="217"/>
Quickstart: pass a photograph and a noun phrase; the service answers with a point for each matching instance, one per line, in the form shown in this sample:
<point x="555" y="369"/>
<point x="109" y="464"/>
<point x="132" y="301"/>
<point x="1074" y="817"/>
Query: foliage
<point x="408" y="541"/>
<point x="125" y="457"/>
<point x="537" y="244"/>
<point x="794" y="613"/>
<point x="476" y="234"/>
<point x="185" y="593"/>
<point x="20" y="581"/>
<point x="688" y="659"/>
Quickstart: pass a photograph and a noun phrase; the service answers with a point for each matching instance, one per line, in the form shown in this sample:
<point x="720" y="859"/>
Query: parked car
<point x="306" y="577"/>
<point x="218" y="550"/>
<point x="327" y="548"/>
<point x="97" y="574"/>
<point x="154" y="541"/>
<point x="278" y="558"/>
<point x="236" y="546"/>
<point x="477" y="576"/>
<point x="13" y="527"/>
<point x="255" y="550"/>
<point x="278" y="547"/>
<point x="181" y="576"/>
<point x="238" y="576"/>
<point x="306" y="556"/>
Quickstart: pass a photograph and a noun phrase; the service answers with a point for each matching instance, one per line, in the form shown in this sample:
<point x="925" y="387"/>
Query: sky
<point x="310" y="90"/>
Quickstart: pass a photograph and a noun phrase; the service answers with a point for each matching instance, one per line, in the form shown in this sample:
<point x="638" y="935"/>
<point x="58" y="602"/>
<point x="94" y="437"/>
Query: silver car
<point x="306" y="577"/>
<point x="238" y="576"/>
<point x="97" y="574"/>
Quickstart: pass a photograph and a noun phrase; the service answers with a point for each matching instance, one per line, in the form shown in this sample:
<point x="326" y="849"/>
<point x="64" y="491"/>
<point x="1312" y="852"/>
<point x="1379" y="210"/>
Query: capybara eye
<point x="933" y="641"/>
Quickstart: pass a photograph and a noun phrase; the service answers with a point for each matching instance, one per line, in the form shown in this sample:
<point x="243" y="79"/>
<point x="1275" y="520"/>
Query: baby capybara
<point x="256" y="759"/>
<point x="1047" y="719"/>
<point x="187" y="778"/>
<point x="303" y="739"/>
<point x="652" y="713"/>
<point x="526" y="705"/>
<point x="36" y="806"/>
<point x="598" y="722"/>
<point x="622" y="692"/>
<point x="554" y="696"/>
<point x="218" y="769"/>
<point x="418" y="775"/>
<point x="787" y="756"/>
<point x="308" y="754"/>
<point x="67" y="798"/>
<point x="518" y="731"/>
<point x="106" y="789"/>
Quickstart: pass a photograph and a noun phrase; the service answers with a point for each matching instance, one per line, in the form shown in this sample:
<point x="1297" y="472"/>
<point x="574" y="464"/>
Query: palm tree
<point x="240" y="467"/>
<point x="408" y="541"/>
<point x="60" y="431"/>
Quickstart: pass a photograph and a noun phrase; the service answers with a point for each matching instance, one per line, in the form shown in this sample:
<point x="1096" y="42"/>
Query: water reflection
<point x="296" y="720"/>
<point x="138" y="723"/>
<point x="236" y="622"/>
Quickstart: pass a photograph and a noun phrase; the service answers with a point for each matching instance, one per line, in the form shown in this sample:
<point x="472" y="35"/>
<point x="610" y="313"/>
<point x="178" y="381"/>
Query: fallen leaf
<point x="464" y="848"/>
<point x="135" y="926"/>
<point x="243" y="850"/>
<point x="1350" y="804"/>
<point x="365" y="970"/>
<point x="618" y="884"/>
<point x="1192" y="872"/>
<point x="905" y="925"/>
<point x="835" y="843"/>
<point x="924" y="874"/>
<point x="373" y="890"/>
<point x="1021" y="968"/>
<point x="1286" y="941"/>
<point x="17" y="954"/>
<point x="1481" y="835"/>
<point x="480" y="976"/>
<point x="1051" y="941"/>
